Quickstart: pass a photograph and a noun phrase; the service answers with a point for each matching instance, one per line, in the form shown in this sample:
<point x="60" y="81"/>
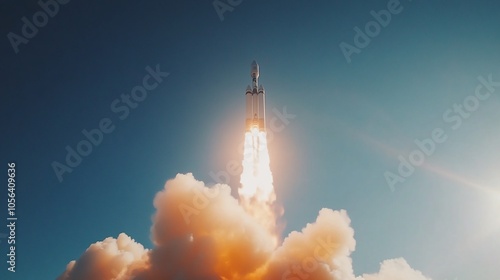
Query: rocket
<point x="255" y="102"/>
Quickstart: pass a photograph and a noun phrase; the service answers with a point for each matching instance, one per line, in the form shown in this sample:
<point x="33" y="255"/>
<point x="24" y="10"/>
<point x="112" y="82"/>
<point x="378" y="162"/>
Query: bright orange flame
<point x="256" y="193"/>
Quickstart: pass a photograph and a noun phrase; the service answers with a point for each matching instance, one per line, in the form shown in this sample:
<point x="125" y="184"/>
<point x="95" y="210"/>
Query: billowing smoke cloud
<point x="393" y="269"/>
<point x="109" y="259"/>
<point x="204" y="233"/>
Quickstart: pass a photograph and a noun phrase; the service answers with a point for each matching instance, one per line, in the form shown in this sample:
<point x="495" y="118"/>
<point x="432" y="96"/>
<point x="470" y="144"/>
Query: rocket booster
<point x="255" y="102"/>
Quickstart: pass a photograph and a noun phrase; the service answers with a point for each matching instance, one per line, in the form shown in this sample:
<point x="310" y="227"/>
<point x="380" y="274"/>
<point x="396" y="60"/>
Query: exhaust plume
<point x="202" y="232"/>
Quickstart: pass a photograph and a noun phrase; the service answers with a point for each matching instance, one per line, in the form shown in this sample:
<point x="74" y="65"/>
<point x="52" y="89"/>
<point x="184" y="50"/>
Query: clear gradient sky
<point x="352" y="122"/>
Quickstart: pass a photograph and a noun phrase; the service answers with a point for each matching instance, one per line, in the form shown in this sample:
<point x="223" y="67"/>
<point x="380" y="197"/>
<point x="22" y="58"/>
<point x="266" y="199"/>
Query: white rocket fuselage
<point x="255" y="102"/>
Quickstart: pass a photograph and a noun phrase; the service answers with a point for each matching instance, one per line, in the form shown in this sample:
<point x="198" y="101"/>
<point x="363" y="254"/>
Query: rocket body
<point x="255" y="102"/>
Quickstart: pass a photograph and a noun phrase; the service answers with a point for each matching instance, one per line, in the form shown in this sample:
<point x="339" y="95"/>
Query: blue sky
<point x="351" y="122"/>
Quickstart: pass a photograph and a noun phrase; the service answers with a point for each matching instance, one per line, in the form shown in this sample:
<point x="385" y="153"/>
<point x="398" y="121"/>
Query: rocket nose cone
<point x="255" y="69"/>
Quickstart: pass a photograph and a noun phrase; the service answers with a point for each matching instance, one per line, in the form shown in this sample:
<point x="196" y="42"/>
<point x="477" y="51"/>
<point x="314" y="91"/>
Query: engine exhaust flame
<point x="256" y="193"/>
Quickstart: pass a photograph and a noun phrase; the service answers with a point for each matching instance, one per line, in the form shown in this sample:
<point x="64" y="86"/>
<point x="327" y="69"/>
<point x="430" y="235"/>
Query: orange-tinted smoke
<point x="204" y="233"/>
